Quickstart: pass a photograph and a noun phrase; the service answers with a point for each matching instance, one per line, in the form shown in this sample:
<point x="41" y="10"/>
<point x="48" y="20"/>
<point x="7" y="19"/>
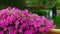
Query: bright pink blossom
<point x="16" y="20"/>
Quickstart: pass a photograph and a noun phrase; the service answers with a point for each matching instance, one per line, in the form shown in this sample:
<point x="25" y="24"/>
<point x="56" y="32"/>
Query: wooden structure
<point x="54" y="31"/>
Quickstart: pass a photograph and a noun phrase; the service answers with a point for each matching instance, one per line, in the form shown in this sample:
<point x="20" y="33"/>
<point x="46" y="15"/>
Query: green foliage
<point x="21" y="4"/>
<point x="42" y="13"/>
<point x="2" y="7"/>
<point x="57" y="21"/>
<point x="13" y="3"/>
<point x="39" y="12"/>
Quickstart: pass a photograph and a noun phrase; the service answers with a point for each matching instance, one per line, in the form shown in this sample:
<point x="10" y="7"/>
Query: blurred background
<point x="40" y="7"/>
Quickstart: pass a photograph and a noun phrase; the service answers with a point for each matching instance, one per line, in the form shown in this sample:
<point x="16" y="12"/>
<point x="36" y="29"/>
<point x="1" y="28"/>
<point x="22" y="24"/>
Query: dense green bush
<point x="39" y="12"/>
<point x="57" y="21"/>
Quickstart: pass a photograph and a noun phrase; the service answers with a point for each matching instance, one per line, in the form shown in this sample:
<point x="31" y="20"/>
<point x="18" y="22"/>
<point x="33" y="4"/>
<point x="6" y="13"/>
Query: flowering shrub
<point x="15" y="21"/>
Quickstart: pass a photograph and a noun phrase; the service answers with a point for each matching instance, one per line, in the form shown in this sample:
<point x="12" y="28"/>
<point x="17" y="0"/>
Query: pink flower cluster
<point x="15" y="21"/>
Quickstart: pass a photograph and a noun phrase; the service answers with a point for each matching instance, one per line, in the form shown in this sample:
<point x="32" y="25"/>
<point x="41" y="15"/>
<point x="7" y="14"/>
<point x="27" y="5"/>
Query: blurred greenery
<point x="57" y="21"/>
<point x="21" y="4"/>
<point x="13" y="3"/>
<point x="2" y="7"/>
<point x="39" y="12"/>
